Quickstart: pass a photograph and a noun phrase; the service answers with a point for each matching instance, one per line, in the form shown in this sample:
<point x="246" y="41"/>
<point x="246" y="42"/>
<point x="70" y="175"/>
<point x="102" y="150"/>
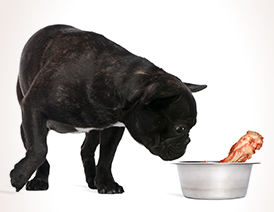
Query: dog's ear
<point x="160" y="94"/>
<point x="195" y="88"/>
<point x="157" y="95"/>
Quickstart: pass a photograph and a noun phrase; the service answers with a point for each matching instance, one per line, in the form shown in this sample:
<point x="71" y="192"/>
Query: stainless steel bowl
<point x="214" y="180"/>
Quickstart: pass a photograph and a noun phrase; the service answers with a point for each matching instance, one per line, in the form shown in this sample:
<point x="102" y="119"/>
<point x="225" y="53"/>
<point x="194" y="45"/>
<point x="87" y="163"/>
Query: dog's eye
<point x="179" y="129"/>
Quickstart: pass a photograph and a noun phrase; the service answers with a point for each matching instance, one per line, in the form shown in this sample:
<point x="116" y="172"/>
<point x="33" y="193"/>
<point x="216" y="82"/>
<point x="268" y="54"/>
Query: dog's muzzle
<point x="171" y="148"/>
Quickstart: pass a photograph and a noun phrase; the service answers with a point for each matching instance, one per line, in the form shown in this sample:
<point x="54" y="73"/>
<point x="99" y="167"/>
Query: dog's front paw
<point x="109" y="188"/>
<point x="91" y="183"/>
<point x="17" y="180"/>
<point x="37" y="184"/>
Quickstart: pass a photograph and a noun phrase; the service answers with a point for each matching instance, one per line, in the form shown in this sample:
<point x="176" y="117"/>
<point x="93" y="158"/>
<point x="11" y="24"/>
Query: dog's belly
<point x="80" y="130"/>
<point x="66" y="128"/>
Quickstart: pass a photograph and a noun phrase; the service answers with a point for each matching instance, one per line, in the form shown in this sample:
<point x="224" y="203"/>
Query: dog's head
<point x="162" y="118"/>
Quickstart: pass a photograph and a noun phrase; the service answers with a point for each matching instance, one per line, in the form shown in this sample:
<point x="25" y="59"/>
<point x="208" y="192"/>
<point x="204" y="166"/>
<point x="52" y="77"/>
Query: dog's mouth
<point x="171" y="148"/>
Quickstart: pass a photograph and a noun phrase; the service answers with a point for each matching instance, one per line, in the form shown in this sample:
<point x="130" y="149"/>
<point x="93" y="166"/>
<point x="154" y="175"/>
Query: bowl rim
<point x="215" y="163"/>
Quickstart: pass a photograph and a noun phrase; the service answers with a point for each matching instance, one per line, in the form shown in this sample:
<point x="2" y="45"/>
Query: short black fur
<point x="72" y="80"/>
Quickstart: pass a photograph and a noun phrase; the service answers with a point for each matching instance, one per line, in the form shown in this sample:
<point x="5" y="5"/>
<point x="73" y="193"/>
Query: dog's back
<point x="56" y="45"/>
<point x="32" y="58"/>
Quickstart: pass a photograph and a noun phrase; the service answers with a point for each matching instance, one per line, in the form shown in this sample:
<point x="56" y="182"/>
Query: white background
<point x="227" y="45"/>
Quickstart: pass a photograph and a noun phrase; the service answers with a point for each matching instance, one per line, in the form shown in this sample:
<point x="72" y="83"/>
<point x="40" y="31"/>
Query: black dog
<point x="71" y="80"/>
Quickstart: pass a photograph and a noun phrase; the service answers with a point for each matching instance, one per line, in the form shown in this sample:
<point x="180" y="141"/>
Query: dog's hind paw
<point x="17" y="183"/>
<point x="37" y="184"/>
<point x="17" y="180"/>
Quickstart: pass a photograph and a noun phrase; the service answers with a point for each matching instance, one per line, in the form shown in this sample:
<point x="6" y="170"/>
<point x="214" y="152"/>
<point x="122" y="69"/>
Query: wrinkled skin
<point x="167" y="131"/>
<point x="71" y="80"/>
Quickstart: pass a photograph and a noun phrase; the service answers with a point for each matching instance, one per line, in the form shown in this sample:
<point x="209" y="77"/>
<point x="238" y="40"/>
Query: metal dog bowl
<point x="214" y="180"/>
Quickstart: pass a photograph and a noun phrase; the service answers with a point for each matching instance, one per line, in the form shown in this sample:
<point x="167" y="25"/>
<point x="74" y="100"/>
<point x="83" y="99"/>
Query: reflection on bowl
<point x="214" y="180"/>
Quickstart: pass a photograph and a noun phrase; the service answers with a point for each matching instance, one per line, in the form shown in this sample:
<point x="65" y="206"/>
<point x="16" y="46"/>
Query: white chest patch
<point x="85" y="130"/>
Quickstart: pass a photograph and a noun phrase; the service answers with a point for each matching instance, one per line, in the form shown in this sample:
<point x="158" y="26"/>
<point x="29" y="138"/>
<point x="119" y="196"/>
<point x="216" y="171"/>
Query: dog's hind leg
<point x="40" y="181"/>
<point x="87" y="153"/>
<point x="34" y="135"/>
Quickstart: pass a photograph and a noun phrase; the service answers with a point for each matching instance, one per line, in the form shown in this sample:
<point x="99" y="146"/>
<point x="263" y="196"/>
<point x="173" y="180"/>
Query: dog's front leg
<point x="87" y="153"/>
<point x="109" y="140"/>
